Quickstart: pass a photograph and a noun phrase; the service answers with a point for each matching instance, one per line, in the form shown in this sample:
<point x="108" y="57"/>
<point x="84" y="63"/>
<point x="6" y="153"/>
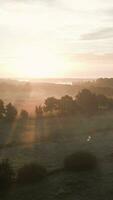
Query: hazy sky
<point x="56" y="38"/>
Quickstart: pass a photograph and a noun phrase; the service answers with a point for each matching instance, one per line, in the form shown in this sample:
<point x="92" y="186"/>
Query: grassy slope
<point x="64" y="136"/>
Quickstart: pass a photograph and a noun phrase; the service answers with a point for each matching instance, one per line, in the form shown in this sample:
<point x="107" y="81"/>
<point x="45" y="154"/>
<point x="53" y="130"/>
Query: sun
<point x="41" y="64"/>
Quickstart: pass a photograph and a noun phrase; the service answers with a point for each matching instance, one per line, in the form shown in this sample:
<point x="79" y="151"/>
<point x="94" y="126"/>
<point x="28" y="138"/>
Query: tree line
<point x="8" y="113"/>
<point x="84" y="102"/>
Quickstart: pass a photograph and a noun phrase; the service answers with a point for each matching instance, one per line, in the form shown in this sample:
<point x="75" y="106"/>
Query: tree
<point x="87" y="101"/>
<point x="76" y="107"/>
<point x="11" y="112"/>
<point x="39" y="112"/>
<point x="51" y="104"/>
<point x="24" y="115"/>
<point x="2" y="109"/>
<point x="102" y="102"/>
<point x="66" y="105"/>
<point x="105" y="82"/>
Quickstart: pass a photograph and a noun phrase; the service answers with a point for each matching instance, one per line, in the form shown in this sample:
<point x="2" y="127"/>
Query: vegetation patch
<point x="31" y="173"/>
<point x="7" y="174"/>
<point x="80" y="161"/>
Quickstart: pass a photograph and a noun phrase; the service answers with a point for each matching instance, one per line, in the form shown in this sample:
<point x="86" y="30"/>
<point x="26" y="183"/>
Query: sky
<point x="56" y="38"/>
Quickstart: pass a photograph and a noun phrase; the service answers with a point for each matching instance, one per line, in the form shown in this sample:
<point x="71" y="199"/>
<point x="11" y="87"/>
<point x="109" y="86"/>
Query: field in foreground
<point x="48" y="142"/>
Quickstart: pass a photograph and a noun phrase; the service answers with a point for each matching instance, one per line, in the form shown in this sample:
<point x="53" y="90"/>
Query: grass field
<point x="49" y="141"/>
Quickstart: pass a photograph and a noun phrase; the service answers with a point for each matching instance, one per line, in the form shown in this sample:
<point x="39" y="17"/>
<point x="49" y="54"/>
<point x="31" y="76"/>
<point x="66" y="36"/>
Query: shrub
<point x="80" y="161"/>
<point x="31" y="173"/>
<point x="6" y="174"/>
<point x="24" y="115"/>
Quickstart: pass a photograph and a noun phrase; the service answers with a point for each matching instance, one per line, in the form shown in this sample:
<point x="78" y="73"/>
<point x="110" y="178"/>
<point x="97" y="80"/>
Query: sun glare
<point x="41" y="64"/>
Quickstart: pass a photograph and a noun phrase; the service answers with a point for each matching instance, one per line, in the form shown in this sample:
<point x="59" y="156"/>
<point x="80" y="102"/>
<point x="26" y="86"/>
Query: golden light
<point x="36" y="34"/>
<point x="39" y="63"/>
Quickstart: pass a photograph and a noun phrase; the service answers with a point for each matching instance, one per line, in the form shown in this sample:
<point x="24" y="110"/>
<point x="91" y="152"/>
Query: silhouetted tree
<point x="24" y="115"/>
<point x="2" y="109"/>
<point x="66" y="105"/>
<point x="76" y="107"/>
<point x="102" y="102"/>
<point x="11" y="112"/>
<point x="39" y="112"/>
<point x="105" y="82"/>
<point x="87" y="101"/>
<point x="51" y="104"/>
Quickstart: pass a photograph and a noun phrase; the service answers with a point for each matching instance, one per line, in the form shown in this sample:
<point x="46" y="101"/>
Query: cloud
<point x="104" y="33"/>
<point x="93" y="64"/>
<point x="95" y="58"/>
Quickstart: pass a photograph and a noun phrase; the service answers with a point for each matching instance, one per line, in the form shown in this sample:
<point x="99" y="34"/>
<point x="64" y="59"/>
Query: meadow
<point x="48" y="141"/>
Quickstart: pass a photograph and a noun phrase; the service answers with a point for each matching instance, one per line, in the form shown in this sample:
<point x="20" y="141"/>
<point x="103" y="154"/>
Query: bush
<point x="6" y="174"/>
<point x="24" y="115"/>
<point x="80" y="161"/>
<point x="31" y="173"/>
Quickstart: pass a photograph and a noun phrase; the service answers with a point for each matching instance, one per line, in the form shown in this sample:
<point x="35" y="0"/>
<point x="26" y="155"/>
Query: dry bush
<point x="31" y="173"/>
<point x="80" y="161"/>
